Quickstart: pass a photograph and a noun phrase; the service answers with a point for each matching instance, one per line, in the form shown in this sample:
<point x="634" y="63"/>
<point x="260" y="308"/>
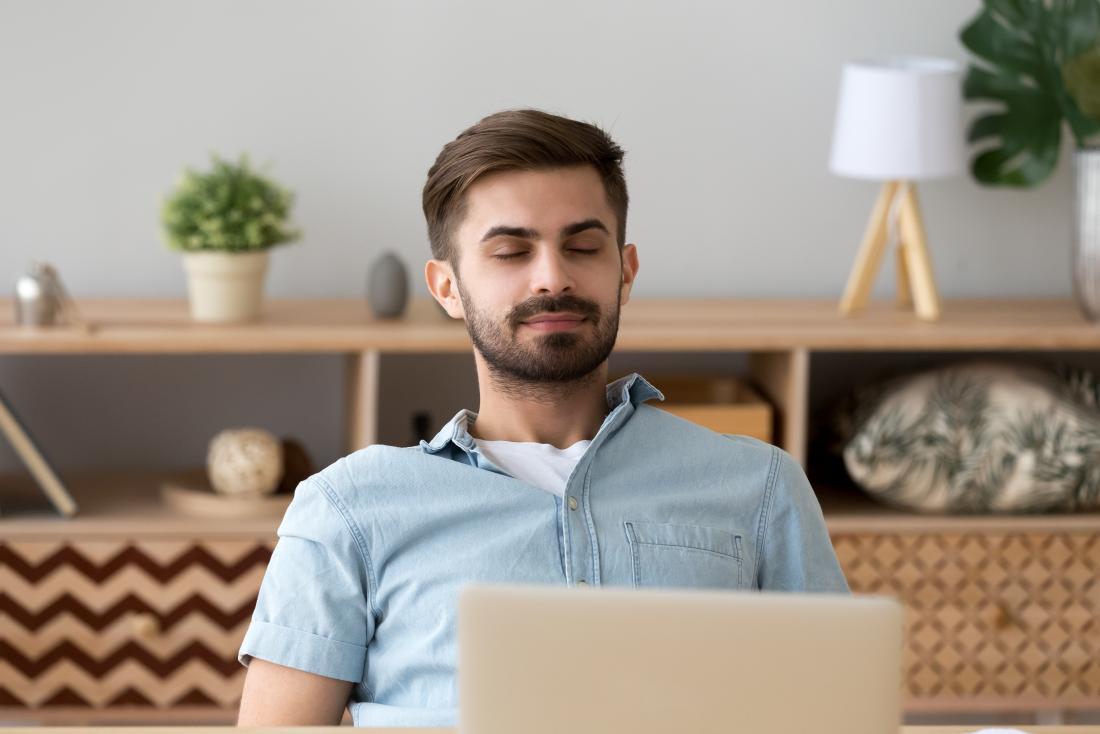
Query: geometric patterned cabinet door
<point x="994" y="620"/>
<point x="101" y="624"/>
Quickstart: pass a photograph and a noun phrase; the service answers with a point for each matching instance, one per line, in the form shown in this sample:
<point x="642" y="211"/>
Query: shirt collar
<point x="632" y="388"/>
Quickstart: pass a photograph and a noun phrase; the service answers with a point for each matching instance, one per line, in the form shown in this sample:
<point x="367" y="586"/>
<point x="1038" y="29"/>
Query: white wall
<point x="725" y="110"/>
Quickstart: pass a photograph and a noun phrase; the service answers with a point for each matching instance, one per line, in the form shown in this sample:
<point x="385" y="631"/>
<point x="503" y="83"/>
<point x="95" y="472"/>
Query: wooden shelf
<point x="69" y="716"/>
<point x="128" y="716"/>
<point x="115" y="504"/>
<point x="849" y="510"/>
<point x="126" y="503"/>
<point x="163" y="326"/>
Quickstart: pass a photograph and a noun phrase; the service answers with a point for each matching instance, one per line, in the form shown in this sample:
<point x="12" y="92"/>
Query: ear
<point x="630" y="271"/>
<point x="443" y="285"/>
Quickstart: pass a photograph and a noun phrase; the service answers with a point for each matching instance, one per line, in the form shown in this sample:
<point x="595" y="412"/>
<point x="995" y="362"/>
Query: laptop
<point x="555" y="660"/>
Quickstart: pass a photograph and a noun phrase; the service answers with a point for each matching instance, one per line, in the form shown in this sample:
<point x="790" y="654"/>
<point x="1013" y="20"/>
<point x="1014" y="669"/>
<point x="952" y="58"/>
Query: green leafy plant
<point x="230" y="208"/>
<point x="1082" y="77"/>
<point x="1031" y="48"/>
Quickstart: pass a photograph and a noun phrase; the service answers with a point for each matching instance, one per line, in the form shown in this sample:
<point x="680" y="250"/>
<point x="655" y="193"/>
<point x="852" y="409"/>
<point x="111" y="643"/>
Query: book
<point x="30" y="453"/>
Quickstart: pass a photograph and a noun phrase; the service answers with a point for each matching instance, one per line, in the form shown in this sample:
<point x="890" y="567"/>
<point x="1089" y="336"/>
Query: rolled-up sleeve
<point x="313" y="612"/>
<point x="795" y="551"/>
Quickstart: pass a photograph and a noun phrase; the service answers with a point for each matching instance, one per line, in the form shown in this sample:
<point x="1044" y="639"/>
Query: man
<point x="559" y="478"/>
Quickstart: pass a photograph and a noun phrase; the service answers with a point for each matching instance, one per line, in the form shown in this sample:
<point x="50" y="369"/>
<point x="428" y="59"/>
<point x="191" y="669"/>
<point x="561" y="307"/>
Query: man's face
<point x="540" y="279"/>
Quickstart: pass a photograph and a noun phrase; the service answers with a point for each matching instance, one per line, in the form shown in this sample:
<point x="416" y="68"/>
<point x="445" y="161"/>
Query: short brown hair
<point x="516" y="140"/>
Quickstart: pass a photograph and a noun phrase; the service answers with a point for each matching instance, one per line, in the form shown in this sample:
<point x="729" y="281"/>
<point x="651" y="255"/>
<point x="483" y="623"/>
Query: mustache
<point x="550" y="304"/>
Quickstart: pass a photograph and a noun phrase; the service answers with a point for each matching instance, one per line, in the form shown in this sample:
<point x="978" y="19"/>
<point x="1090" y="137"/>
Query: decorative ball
<point x="245" y="462"/>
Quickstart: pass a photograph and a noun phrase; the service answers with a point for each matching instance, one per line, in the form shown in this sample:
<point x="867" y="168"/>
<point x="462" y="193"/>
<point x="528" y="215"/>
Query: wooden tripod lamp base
<point x="916" y="283"/>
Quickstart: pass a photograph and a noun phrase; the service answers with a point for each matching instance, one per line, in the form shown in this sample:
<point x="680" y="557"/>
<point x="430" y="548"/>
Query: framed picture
<point x="20" y="439"/>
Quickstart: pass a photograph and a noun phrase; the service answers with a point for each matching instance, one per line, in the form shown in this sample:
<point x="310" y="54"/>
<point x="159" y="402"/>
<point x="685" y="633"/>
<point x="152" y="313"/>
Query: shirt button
<point x="582" y="582"/>
<point x="572" y="503"/>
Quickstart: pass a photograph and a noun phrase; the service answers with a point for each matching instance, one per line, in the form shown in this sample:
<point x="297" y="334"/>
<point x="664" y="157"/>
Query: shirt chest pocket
<point x="689" y="556"/>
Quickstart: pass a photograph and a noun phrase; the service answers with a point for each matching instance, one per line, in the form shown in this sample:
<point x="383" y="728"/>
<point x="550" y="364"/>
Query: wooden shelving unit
<point x="1001" y="608"/>
<point x="779" y="337"/>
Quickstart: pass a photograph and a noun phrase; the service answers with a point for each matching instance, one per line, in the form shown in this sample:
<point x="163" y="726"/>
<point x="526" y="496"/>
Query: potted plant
<point x="1042" y="70"/>
<point x="225" y="221"/>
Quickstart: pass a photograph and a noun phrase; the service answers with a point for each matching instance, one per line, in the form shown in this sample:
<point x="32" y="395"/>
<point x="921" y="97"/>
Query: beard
<point x="559" y="357"/>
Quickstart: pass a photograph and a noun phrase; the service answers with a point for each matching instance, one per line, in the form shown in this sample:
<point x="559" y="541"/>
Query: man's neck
<point x="559" y="414"/>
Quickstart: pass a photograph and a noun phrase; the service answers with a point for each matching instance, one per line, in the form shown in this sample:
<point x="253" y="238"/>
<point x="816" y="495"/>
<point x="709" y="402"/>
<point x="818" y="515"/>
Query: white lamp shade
<point x="899" y="118"/>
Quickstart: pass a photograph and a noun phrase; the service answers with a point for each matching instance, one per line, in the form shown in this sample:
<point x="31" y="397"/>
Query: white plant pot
<point x="225" y="286"/>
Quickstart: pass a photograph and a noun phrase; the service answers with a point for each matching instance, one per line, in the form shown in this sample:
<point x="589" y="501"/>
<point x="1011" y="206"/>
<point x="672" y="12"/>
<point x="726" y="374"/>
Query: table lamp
<point x="898" y="120"/>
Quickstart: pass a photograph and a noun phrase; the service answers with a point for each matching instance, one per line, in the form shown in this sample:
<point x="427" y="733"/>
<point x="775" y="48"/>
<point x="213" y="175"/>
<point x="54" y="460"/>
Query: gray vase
<point x="387" y="286"/>
<point x="1086" y="240"/>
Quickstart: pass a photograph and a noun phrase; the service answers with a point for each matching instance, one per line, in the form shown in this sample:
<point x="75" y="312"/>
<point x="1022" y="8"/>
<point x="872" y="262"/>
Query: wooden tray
<point x="194" y="496"/>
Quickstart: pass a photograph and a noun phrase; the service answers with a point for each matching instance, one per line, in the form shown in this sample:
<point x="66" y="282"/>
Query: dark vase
<point x="387" y="286"/>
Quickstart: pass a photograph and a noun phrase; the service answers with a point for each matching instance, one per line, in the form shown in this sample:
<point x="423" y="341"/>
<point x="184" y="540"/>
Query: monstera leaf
<point x="1025" y="44"/>
<point x="1082" y="77"/>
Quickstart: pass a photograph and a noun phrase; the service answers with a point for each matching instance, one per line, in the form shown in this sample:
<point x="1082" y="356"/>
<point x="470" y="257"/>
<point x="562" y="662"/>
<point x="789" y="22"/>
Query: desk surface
<point x="335" y="729"/>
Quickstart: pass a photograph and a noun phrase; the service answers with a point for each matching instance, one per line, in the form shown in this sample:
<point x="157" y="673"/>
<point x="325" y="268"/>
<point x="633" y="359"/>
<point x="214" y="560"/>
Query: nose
<point x="551" y="273"/>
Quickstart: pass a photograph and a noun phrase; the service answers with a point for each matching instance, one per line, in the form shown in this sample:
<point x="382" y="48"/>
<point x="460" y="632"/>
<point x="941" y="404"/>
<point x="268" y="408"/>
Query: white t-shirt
<point x="545" y="466"/>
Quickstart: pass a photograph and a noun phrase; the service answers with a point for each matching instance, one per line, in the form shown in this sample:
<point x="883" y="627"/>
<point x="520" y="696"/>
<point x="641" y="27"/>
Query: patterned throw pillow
<point x="981" y="437"/>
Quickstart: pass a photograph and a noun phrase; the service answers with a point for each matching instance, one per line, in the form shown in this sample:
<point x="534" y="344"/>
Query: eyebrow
<point x="526" y="233"/>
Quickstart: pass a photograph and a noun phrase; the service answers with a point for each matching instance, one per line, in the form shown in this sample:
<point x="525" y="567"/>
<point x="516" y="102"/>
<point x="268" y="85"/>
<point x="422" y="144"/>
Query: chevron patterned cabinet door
<point x="995" y="620"/>
<point x="103" y="624"/>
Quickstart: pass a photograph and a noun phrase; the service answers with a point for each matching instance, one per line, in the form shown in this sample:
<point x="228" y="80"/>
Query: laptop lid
<point x="549" y="660"/>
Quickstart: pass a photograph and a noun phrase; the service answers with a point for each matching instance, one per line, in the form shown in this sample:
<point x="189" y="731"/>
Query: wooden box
<point x="723" y="404"/>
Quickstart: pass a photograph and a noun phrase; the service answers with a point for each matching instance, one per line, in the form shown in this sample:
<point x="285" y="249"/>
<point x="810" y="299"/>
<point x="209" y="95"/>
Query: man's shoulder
<point x="699" y="456"/>
<point x="381" y="468"/>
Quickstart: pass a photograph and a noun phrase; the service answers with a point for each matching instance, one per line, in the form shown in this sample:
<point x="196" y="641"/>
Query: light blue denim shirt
<point x="363" y="582"/>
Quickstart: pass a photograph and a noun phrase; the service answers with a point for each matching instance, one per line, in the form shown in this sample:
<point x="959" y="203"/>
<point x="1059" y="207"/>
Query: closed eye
<point x="578" y="250"/>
